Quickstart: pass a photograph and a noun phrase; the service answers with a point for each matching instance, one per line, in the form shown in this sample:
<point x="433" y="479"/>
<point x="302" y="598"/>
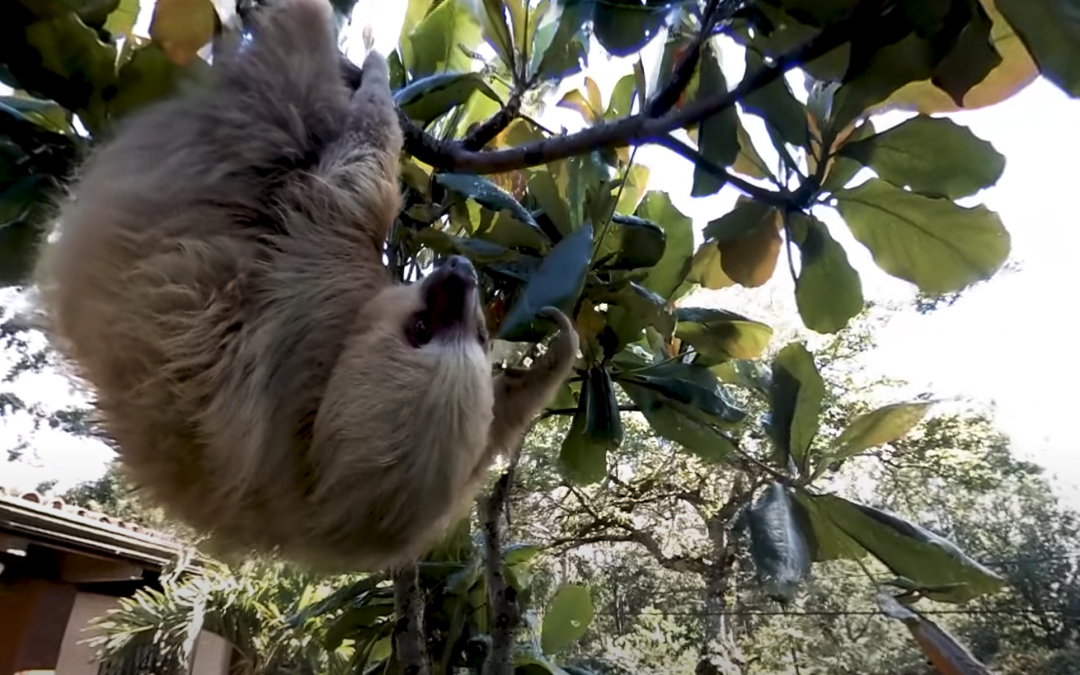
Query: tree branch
<point x="409" y="604"/>
<point x="485" y="132"/>
<point x="635" y="129"/>
<point x="502" y="598"/>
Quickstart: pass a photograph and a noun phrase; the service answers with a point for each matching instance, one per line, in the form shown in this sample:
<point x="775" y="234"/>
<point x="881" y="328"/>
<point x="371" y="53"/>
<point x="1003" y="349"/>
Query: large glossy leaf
<point x="45" y="114"/>
<point x="622" y="27"/>
<point x="182" y="27"/>
<point x="933" y="243"/>
<point x="486" y="193"/>
<point x="556" y="283"/>
<point x="777" y="544"/>
<point x="566" y="618"/>
<point x="1050" y="29"/>
<point x="718" y="137"/>
<point x="436" y="42"/>
<point x="671" y="422"/>
<point x="943" y="651"/>
<point x="796" y="397"/>
<point x="878" y="427"/>
<point x="666" y="276"/>
<point x="876" y="72"/>
<point x="706" y="269"/>
<point x="934" y="156"/>
<point x="692" y="388"/>
<point x="634" y="243"/>
<point x="122" y="19"/>
<point x="719" y="335"/>
<point x="910" y="551"/>
<point x="631" y="308"/>
<point x="429" y="97"/>
<point x="1015" y="72"/>
<point x="595" y="430"/>
<point x="828" y="290"/>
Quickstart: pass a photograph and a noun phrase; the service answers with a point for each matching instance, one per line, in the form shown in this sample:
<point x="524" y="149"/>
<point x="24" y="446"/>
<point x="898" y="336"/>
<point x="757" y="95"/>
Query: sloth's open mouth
<point x="449" y="304"/>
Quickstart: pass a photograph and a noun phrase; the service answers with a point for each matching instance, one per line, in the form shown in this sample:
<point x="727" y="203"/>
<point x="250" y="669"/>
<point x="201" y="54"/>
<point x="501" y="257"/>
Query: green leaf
<point x="623" y="27"/>
<point x="566" y="618"/>
<point x="933" y="243"/>
<point x="579" y="103"/>
<point x="595" y="430"/>
<point x="828" y="290"/>
<point x="122" y="19"/>
<point x="622" y="98"/>
<point x="148" y="76"/>
<point x="479" y="251"/>
<point x="486" y="193"/>
<point x="427" y="98"/>
<point x="18" y="198"/>
<point x="706" y="269"/>
<point x="775" y="104"/>
<point x="435" y="44"/>
<point x="631" y="308"/>
<point x="777" y="544"/>
<point x="667" y="275"/>
<point x="911" y="551"/>
<point x="637" y="243"/>
<point x="496" y="32"/>
<point x="691" y="388"/>
<point x="556" y="283"/>
<point x="516" y="554"/>
<point x="718" y="134"/>
<point x="934" y="156"/>
<point x="740" y="221"/>
<point x="718" y="335"/>
<point x="878" y="427"/>
<point x="1050" y="29"/>
<point x="796" y="397"/>
<point x="45" y="114"/>
<point x="564" y="53"/>
<point x="672" y="423"/>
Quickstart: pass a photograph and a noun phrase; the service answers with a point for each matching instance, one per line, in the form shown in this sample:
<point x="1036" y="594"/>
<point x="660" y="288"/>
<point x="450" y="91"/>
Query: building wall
<point x="33" y="614"/>
<point x="77" y="658"/>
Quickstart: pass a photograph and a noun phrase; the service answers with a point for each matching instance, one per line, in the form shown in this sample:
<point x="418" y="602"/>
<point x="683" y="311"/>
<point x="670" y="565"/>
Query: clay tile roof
<point x="93" y="518"/>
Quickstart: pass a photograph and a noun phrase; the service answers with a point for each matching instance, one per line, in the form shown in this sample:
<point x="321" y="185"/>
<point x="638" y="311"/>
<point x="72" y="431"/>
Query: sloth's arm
<point x="520" y="394"/>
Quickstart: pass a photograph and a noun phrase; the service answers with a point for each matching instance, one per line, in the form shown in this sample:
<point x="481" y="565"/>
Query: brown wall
<point x="33" y="616"/>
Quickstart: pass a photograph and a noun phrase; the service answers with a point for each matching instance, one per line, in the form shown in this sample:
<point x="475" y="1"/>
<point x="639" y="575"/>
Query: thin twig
<point x="486" y="131"/>
<point x="409" y="604"/>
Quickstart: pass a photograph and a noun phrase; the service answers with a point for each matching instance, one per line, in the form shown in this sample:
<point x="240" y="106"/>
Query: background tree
<point x="567" y="220"/>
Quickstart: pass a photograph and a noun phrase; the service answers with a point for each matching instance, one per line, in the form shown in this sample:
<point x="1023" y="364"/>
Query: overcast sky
<point x="1007" y="342"/>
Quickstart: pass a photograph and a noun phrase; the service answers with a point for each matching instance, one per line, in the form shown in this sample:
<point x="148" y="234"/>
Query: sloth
<point x="217" y="282"/>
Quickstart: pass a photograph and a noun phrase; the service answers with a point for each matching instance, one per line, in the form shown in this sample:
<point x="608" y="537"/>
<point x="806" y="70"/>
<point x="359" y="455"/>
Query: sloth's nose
<point x="461" y="265"/>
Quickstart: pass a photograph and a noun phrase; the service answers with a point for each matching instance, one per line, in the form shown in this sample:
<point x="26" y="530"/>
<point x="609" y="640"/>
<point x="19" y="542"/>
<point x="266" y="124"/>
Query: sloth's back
<point x="155" y="291"/>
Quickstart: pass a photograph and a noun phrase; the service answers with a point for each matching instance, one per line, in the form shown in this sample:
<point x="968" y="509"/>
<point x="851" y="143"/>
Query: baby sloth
<point x="218" y="282"/>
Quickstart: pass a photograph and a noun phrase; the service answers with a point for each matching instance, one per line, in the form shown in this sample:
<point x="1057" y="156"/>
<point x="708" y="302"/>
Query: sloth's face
<point x="449" y="307"/>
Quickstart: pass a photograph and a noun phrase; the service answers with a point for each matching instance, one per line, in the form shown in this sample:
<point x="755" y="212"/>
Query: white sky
<point x="990" y="346"/>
